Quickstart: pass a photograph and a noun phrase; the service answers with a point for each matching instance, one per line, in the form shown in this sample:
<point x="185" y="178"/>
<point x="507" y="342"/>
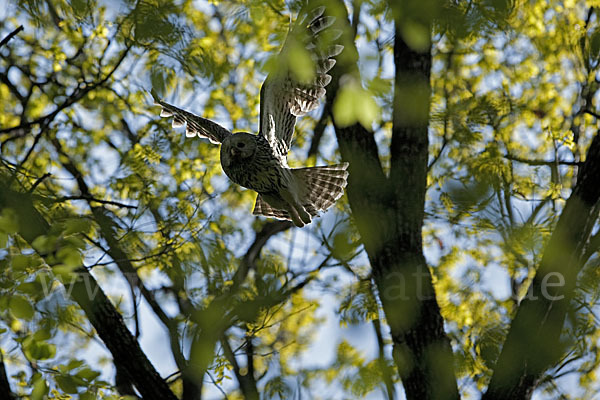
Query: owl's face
<point x="238" y="147"/>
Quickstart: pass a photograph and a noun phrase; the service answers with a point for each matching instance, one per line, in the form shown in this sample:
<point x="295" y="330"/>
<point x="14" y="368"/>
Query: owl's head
<point x="237" y="147"/>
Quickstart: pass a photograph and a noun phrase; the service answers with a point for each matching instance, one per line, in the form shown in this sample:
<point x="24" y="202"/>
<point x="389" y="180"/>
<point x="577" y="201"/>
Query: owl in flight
<point x="259" y="162"/>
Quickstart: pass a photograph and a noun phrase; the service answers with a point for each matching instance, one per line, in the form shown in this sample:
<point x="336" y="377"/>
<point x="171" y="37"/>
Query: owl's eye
<point x="241" y="145"/>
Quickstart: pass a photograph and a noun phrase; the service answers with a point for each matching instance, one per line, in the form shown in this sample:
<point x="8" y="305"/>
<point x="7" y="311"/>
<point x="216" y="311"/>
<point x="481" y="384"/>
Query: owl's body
<point x="254" y="166"/>
<point x="284" y="193"/>
<point x="259" y="162"/>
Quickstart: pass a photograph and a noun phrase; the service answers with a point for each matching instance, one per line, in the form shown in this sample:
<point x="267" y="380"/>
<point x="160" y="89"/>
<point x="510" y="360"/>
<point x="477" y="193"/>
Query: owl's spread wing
<point x="195" y="125"/>
<point x="283" y="97"/>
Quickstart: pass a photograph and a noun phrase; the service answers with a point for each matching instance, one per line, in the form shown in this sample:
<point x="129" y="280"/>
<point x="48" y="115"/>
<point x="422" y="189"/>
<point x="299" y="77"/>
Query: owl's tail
<point x="321" y="186"/>
<point x="318" y="189"/>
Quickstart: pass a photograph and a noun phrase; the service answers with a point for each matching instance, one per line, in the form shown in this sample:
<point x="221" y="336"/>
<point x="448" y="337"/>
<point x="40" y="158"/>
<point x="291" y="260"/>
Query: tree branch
<point x="5" y="391"/>
<point x="102" y="314"/>
<point x="540" y="162"/>
<point x="248" y="261"/>
<point x="78" y="94"/>
<point x="118" y="255"/>
<point x="246" y="380"/>
<point x="592" y="247"/>
<point x="192" y="384"/>
<point x="95" y="200"/>
<point x="386" y="371"/>
<point x="533" y="342"/>
<point x="11" y="35"/>
<point x="389" y="217"/>
<point x="4" y="79"/>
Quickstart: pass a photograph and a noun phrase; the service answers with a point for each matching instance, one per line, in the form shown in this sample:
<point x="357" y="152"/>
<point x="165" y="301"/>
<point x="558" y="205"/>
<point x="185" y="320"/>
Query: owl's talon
<point x="295" y="217"/>
<point x="297" y="221"/>
<point x="304" y="216"/>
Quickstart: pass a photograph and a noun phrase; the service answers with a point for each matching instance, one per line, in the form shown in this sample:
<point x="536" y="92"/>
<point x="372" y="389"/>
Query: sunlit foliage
<point x="514" y="108"/>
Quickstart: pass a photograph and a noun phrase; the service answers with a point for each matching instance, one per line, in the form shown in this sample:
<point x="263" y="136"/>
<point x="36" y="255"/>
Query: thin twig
<point x="11" y="35"/>
<point x="540" y="162"/>
<point x="217" y="385"/>
<point x="173" y="377"/>
<point x="45" y="120"/>
<point x="95" y="200"/>
<point x="32" y="148"/>
<point x="386" y="371"/>
<point x="39" y="180"/>
<point x="592" y="113"/>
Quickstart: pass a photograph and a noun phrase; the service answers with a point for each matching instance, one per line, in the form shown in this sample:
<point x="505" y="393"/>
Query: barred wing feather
<point x="282" y="96"/>
<point x="195" y="125"/>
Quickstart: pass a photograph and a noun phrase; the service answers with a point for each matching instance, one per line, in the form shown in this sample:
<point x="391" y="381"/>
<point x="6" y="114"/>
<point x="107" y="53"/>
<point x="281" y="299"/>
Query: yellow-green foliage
<point x="513" y="109"/>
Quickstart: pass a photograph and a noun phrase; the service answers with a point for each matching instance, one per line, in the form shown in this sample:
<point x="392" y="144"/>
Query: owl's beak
<point x="234" y="152"/>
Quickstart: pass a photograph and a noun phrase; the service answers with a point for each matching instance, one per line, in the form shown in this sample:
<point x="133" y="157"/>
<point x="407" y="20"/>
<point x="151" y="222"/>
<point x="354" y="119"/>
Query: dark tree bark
<point x="247" y="381"/>
<point x="104" y="317"/>
<point x="5" y="392"/>
<point x="192" y="386"/>
<point x="11" y="35"/>
<point x="533" y="342"/>
<point x="388" y="212"/>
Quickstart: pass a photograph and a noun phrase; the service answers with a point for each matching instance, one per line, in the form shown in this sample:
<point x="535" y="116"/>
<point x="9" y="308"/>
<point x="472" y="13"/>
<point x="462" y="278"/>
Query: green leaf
<point x="3" y="239"/>
<point x="43" y="243"/>
<point x="20" y="262"/>
<point x="20" y="307"/>
<point x="88" y="374"/>
<point x="65" y="273"/>
<point x="301" y="64"/>
<point x="32" y="288"/>
<point x="343" y="107"/>
<point x="42" y="334"/>
<point x="39" y="350"/>
<point x="277" y="387"/>
<point x="79" y="7"/>
<point x="40" y="387"/>
<point x="257" y="13"/>
<point x="77" y="225"/>
<point x="87" y="396"/>
<point x="342" y="246"/>
<point x="76" y="242"/>
<point x="67" y="384"/>
<point x="8" y="221"/>
<point x="69" y="256"/>
<point x="157" y="79"/>
<point x="380" y="86"/>
<point x="355" y="104"/>
<point x="415" y="34"/>
<point x="73" y="364"/>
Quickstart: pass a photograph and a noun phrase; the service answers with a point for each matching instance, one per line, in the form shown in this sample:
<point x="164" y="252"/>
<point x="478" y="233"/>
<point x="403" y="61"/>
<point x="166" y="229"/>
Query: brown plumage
<point x="259" y="162"/>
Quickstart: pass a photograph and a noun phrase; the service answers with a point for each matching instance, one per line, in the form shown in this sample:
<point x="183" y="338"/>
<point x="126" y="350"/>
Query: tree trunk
<point x="533" y="342"/>
<point x="388" y="212"/>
